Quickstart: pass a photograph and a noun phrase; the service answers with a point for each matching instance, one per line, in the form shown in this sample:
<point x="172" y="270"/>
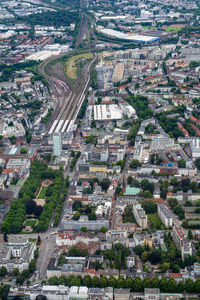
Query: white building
<point x="195" y="147"/>
<point x="140" y="216"/>
<point x="64" y="239"/>
<point x="16" y="253"/>
<point x="165" y="216"/>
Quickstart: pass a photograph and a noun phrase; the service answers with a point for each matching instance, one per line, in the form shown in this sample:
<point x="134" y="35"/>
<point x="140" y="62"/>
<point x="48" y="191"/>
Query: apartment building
<point x="165" y="216"/>
<point x="140" y="216"/>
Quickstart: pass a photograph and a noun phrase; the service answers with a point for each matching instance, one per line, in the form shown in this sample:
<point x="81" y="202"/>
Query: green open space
<point x="149" y="27"/>
<point x="174" y="28"/>
<point x="43" y="192"/>
<point x="155" y="221"/>
<point x="71" y="64"/>
<point x="30" y="223"/>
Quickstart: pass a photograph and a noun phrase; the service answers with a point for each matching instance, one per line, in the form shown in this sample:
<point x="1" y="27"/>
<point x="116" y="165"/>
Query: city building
<point x="16" y="253"/>
<point x="165" y="216"/>
<point x="57" y="144"/>
<point x="140" y="216"/>
<point x="83" y="222"/>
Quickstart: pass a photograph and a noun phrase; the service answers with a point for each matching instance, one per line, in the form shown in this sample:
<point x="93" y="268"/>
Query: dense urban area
<point x="99" y="149"/>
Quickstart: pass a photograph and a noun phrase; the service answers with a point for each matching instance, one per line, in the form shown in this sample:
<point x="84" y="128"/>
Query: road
<point x="47" y="249"/>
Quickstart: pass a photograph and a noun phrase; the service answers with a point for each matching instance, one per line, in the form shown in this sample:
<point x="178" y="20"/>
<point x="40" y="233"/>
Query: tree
<point x="5" y="237"/>
<point x="197" y="163"/>
<point x="150" y="207"/>
<point x="178" y="210"/>
<point x="3" y="271"/>
<point x="172" y="202"/>
<point x="130" y="180"/>
<point x="135" y="164"/>
<point x="76" y="216"/>
<point x="138" y="250"/>
<point x="190" y="235"/>
<point x="87" y="281"/>
<point x="171" y="285"/>
<point x="165" y="266"/>
<point x="103" y="281"/>
<point x="41" y="297"/>
<point x="30" y="206"/>
<point x="146" y="283"/>
<point x="181" y="163"/>
<point x="189" y="286"/>
<point x="23" y="151"/>
<point x="197" y="285"/>
<point x="4" y="291"/>
<point x="105" y="184"/>
<point x="144" y="256"/>
<point x="38" y="240"/>
<point x="95" y="281"/>
<point x="15" y="272"/>
<point x="103" y="229"/>
<point x="147" y="194"/>
<point x="38" y="210"/>
<point x="163" y="284"/>
<point x="137" y="285"/>
<point x="180" y="287"/>
<point x="25" y="274"/>
<point x="83" y="229"/>
<point x="32" y="266"/>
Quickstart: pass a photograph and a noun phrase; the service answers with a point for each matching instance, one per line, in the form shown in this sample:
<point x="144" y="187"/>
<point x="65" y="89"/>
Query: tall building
<point x="57" y="144"/>
<point x="165" y="215"/>
<point x="140" y="216"/>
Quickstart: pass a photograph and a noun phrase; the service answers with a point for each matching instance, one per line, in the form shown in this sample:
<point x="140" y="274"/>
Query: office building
<point x="57" y="144"/>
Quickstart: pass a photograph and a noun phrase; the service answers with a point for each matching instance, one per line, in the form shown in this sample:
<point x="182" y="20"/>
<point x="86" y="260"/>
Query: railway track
<point x="68" y="102"/>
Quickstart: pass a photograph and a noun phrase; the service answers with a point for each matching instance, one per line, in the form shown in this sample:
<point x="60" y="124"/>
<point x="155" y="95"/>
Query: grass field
<point x="149" y="27"/>
<point x="42" y="192"/>
<point x="155" y="221"/>
<point x="173" y="28"/>
<point x="71" y="64"/>
<point x="30" y="222"/>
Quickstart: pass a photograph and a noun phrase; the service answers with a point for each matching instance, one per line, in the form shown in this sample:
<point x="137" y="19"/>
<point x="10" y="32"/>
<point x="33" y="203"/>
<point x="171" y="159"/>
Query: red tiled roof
<point x="175" y="275"/>
<point x="10" y="170"/>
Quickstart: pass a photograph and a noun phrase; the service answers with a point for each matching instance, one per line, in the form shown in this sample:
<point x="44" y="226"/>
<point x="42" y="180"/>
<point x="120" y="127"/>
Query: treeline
<point x="135" y="285"/>
<point x="74" y="160"/>
<point x="93" y="79"/>
<point x="83" y="109"/>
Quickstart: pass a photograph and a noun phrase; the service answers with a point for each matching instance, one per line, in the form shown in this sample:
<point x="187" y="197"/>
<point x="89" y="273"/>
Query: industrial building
<point x="107" y="112"/>
<point x="130" y="36"/>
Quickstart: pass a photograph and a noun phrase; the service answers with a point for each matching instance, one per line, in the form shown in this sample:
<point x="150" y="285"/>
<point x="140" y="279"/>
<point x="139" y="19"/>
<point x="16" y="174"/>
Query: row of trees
<point x="74" y="160"/>
<point x="135" y="285"/>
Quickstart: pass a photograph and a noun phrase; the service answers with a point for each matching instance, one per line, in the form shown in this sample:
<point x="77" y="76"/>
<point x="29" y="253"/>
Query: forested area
<point x="20" y="207"/>
<point x="52" y="18"/>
